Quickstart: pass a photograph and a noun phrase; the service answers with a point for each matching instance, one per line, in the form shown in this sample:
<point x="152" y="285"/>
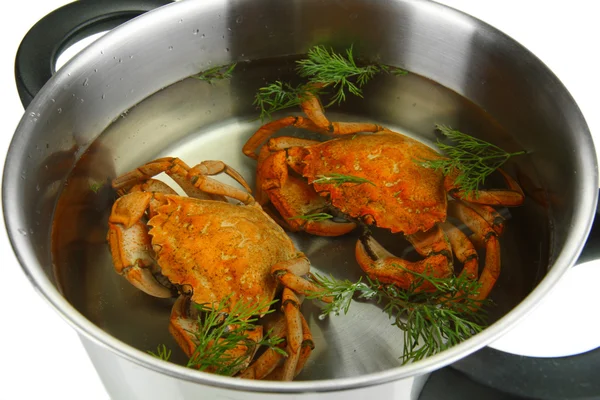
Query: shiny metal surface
<point x="117" y="82"/>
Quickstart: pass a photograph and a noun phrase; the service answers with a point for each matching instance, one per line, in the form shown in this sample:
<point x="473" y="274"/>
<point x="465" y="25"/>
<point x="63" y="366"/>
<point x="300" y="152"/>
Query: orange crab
<point x="207" y="249"/>
<point x="370" y="174"/>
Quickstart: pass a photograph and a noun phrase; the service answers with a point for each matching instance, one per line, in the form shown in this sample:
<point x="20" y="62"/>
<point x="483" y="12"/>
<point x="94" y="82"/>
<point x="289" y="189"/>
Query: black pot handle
<point x="570" y="377"/>
<point x="591" y="250"/>
<point x="48" y="38"/>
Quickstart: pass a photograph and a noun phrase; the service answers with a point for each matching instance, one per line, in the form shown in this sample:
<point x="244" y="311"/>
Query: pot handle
<point x="591" y="249"/>
<point x="37" y="54"/>
<point x="573" y="377"/>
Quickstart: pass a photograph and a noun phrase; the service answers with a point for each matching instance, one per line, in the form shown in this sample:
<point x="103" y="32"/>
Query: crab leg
<point x="291" y="310"/>
<point x="270" y="128"/>
<point x="263" y="365"/>
<point x="313" y="109"/>
<point x="290" y="272"/>
<point x="212" y="186"/>
<point x="187" y="178"/>
<point x="316" y="122"/>
<point x="382" y="265"/>
<point x="295" y="200"/>
<point x="308" y="345"/>
<point x="130" y="245"/>
<point x="293" y="331"/>
<point x="491" y="216"/>
<point x="305" y="351"/>
<point x="463" y="249"/>
<point x="484" y="234"/>
<point x="513" y="196"/>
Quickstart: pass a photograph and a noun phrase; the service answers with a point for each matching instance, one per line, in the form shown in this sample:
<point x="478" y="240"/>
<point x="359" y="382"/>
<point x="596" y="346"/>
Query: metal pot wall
<point x="125" y="100"/>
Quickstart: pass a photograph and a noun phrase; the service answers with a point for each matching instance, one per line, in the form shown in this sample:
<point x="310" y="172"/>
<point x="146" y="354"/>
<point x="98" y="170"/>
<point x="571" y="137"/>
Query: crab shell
<point x="403" y="196"/>
<point x="218" y="249"/>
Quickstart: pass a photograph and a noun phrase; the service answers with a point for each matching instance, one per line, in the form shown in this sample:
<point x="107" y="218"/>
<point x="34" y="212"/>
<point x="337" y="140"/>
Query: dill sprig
<point x="278" y="96"/>
<point x="96" y="186"/>
<point x="323" y="68"/>
<point x="341" y="292"/>
<point x="339" y="179"/>
<point x="162" y="352"/>
<point x="216" y="73"/>
<point x="326" y="67"/>
<point x="432" y="321"/>
<point x="220" y="332"/>
<point x="313" y="217"/>
<point x="473" y="158"/>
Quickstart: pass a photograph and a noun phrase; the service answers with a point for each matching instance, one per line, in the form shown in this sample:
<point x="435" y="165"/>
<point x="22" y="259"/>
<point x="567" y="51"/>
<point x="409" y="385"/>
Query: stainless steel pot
<point x="126" y="100"/>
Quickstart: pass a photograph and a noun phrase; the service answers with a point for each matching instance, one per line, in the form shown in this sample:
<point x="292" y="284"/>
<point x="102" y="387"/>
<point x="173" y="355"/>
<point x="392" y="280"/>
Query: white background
<point x="41" y="355"/>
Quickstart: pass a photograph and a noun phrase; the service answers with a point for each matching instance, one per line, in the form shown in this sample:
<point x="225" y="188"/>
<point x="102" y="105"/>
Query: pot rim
<point x="582" y="216"/>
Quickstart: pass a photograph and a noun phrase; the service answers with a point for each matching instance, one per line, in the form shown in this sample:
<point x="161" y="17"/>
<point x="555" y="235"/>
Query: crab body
<point x="218" y="249"/>
<point x="209" y="251"/>
<point x="371" y="175"/>
<point x="398" y="194"/>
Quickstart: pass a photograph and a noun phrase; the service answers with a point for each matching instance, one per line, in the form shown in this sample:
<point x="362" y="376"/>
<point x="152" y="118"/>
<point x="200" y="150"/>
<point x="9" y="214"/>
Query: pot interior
<point x="195" y="121"/>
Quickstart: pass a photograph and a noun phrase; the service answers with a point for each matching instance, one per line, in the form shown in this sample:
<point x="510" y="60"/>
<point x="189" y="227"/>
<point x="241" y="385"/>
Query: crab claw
<point x="130" y="246"/>
<point x="382" y="265"/>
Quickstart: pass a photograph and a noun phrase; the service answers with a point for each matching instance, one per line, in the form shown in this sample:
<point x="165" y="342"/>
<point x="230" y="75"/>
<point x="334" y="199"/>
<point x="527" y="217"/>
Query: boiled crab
<point x="206" y="249"/>
<point x="389" y="189"/>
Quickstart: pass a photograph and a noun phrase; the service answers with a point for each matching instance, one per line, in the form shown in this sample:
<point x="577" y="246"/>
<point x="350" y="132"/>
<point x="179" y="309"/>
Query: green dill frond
<point x="162" y="352"/>
<point x="339" y="179"/>
<point x="432" y="321"/>
<point x="96" y="186"/>
<point x="473" y="158"/>
<point x="216" y="73"/>
<point x="328" y="68"/>
<point x="278" y="96"/>
<point x="221" y="329"/>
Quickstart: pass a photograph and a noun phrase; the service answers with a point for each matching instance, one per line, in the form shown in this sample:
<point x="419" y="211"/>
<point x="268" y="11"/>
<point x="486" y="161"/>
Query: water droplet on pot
<point x="227" y="49"/>
<point x="103" y="96"/>
<point x="101" y="51"/>
<point x="59" y="110"/>
<point x="52" y="100"/>
<point x="239" y="19"/>
<point x="37" y="187"/>
<point x="203" y="35"/>
<point x="22" y="232"/>
<point x="170" y="47"/>
<point x="120" y="60"/>
<point x="86" y="82"/>
<point x="181" y="21"/>
<point x="81" y="100"/>
<point x="95" y="69"/>
<point x="196" y="31"/>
